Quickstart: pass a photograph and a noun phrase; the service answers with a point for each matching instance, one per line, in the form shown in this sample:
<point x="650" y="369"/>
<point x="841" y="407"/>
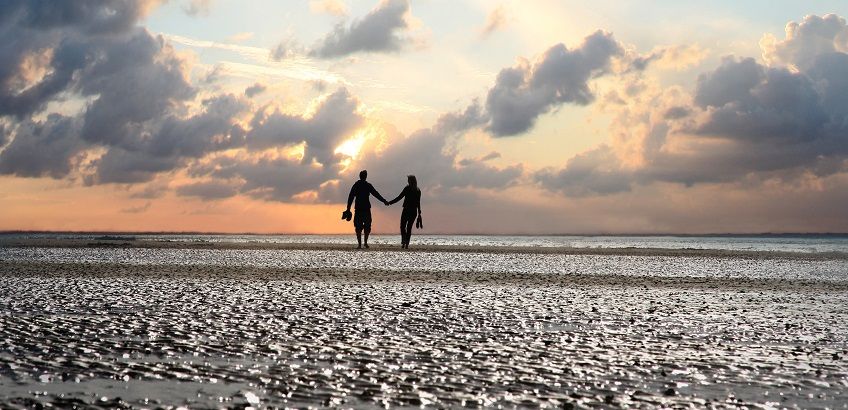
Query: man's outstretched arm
<point x="377" y="195"/>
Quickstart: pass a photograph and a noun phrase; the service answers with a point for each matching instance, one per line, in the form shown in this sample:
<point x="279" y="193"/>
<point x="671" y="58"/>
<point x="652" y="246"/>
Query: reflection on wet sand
<point x="168" y="329"/>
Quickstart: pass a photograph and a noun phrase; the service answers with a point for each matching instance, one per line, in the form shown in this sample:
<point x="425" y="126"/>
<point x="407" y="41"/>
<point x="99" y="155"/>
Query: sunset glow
<point x="517" y="117"/>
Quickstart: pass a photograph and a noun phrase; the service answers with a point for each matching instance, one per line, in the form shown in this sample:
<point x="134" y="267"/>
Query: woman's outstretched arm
<point x="399" y="197"/>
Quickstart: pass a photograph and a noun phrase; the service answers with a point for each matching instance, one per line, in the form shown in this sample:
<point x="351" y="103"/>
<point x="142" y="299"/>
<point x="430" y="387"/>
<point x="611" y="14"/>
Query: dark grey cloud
<point x="255" y="90"/>
<point x="173" y="142"/>
<point x="211" y="130"/>
<point x="523" y="93"/>
<point x="677" y="112"/>
<point x="62" y="37"/>
<point x="89" y="16"/>
<point x="42" y="148"/>
<point x="379" y="31"/>
<point x="136" y="85"/>
<point x="136" y="81"/>
<point x="121" y="166"/>
<point x="273" y="179"/>
<point x="596" y="172"/>
<point x="748" y="101"/>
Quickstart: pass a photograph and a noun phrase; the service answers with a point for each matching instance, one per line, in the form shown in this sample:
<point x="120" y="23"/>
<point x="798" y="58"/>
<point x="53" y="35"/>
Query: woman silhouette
<point x="411" y="208"/>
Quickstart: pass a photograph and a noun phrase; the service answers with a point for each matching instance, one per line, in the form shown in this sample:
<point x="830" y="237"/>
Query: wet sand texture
<point x="148" y="332"/>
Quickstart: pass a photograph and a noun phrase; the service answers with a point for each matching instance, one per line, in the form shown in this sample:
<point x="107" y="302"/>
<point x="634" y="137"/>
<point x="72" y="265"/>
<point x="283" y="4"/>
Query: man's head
<point x="363" y="175"/>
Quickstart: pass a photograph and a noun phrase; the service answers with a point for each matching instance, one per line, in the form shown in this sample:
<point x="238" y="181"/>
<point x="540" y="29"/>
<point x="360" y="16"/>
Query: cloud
<point x="488" y="157"/>
<point x="241" y="36"/>
<point x="173" y="142"/>
<point x="141" y="68"/>
<point x="332" y="7"/>
<point x="427" y="154"/>
<point x="335" y="117"/>
<point x="286" y="49"/>
<point x="42" y="148"/>
<point x="750" y="102"/>
<point x="496" y="20"/>
<point x="198" y="7"/>
<point x="678" y="58"/>
<point x="47" y="44"/>
<point x="805" y="41"/>
<point x="137" y="209"/>
<point x="745" y="123"/>
<point x="524" y="92"/>
<point x="595" y="172"/>
<point x="255" y="90"/>
<point x="134" y="84"/>
<point x="377" y="32"/>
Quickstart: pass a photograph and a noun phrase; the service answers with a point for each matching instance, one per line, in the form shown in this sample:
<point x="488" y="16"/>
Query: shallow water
<point x="515" y="263"/>
<point x="781" y="243"/>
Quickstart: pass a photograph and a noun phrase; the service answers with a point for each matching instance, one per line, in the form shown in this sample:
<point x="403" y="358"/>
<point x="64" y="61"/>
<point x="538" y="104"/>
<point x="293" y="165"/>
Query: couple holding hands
<point x="360" y="194"/>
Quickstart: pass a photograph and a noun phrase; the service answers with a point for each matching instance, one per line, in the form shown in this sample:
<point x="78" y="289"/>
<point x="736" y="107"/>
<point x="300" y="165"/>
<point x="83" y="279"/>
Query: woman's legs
<point x="407" y="219"/>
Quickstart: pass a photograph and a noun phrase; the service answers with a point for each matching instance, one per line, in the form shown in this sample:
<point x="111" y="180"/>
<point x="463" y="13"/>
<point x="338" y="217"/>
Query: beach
<point x="121" y="322"/>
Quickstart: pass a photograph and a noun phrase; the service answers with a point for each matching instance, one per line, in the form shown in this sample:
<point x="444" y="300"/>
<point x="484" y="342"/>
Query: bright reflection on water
<point x="708" y="267"/>
<point x="798" y="243"/>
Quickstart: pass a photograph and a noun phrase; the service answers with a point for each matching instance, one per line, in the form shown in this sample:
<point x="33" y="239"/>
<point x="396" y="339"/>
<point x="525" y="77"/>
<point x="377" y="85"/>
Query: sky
<point x="517" y="117"/>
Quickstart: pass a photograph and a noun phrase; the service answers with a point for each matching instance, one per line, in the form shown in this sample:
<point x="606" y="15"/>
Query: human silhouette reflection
<point x="361" y="191"/>
<point x="411" y="209"/>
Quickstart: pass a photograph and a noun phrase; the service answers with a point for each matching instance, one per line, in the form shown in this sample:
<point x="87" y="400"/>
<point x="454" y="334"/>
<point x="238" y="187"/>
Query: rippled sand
<point x="147" y="328"/>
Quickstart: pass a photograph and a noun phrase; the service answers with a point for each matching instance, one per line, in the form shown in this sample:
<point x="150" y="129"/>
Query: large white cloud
<point x="806" y="41"/>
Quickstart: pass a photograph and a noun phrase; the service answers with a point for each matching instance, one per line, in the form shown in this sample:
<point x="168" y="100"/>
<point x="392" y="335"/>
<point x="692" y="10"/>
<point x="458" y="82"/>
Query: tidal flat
<point x="163" y="328"/>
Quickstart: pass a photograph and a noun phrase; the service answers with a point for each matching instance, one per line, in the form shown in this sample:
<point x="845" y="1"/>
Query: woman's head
<point x="412" y="181"/>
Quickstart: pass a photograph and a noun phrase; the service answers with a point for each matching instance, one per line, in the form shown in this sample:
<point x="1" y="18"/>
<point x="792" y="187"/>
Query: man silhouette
<point x="362" y="191"/>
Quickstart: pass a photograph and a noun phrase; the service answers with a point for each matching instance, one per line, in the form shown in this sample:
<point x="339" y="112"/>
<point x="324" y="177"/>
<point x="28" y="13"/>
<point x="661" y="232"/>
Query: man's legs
<point x="358" y="224"/>
<point x="364" y="223"/>
<point x="359" y="237"/>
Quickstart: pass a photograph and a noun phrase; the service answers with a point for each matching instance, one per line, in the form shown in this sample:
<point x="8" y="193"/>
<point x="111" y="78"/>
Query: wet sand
<point x="150" y="334"/>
